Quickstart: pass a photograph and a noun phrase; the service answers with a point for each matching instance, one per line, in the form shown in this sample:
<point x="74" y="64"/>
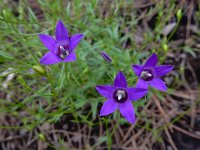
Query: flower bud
<point x="41" y="136"/>
<point x="39" y="54"/>
<point x="165" y="47"/>
<point x="106" y="57"/>
<point x="39" y="70"/>
<point x="179" y="14"/>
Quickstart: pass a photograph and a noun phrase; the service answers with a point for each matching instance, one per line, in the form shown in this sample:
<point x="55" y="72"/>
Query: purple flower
<point x="106" y="57"/>
<point x="62" y="48"/>
<point x="120" y="96"/>
<point x="150" y="73"/>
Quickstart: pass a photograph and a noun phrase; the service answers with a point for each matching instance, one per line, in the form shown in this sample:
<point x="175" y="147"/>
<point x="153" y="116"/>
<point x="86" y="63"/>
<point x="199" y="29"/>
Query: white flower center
<point x="120" y="94"/>
<point x="145" y="75"/>
<point x="64" y="53"/>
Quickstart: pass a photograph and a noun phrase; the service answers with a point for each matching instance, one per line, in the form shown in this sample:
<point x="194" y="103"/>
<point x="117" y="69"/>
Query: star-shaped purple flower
<point x="150" y="73"/>
<point x="62" y="48"/>
<point x="120" y="96"/>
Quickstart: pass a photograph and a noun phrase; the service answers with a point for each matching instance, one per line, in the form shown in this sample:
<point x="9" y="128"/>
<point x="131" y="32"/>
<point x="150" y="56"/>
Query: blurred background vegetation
<point x="57" y="106"/>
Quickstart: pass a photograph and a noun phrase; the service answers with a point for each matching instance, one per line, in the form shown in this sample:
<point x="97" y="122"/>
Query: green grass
<point x="69" y="87"/>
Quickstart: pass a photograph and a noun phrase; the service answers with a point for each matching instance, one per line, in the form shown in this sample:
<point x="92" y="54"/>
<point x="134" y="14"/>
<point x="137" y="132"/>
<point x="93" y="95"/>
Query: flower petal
<point x="105" y="90"/>
<point x="61" y="32"/>
<point x="49" y="58"/>
<point x="74" y="41"/>
<point x="71" y="57"/>
<point x="137" y="69"/>
<point x="158" y="84"/>
<point x="142" y="84"/>
<point x="48" y="41"/>
<point x="120" y="80"/>
<point x="136" y="93"/>
<point x="108" y="107"/>
<point x="127" y="111"/>
<point x="162" y="70"/>
<point x="151" y="61"/>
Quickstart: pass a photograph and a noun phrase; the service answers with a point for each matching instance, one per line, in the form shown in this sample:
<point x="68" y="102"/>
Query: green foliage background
<point x="70" y="88"/>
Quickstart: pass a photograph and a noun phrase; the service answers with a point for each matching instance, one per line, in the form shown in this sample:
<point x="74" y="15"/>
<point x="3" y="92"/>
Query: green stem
<point x="175" y="29"/>
<point x="116" y="125"/>
<point x="50" y="78"/>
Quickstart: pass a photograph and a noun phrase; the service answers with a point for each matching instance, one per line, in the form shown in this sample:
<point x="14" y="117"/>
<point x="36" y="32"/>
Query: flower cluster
<point x="119" y="95"/>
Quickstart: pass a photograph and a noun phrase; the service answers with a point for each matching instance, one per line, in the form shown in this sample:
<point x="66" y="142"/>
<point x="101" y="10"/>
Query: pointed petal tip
<point x="137" y="69"/>
<point x="49" y="59"/>
<point x="163" y="70"/>
<point x="164" y="90"/>
<point x="158" y="84"/>
<point x="131" y="121"/>
<point x="154" y="55"/>
<point x="120" y="80"/>
<point x="108" y="107"/>
<point x="60" y="21"/>
<point x="120" y="72"/>
<point x="105" y="90"/>
<point x="40" y="61"/>
<point x="40" y="35"/>
<point x="82" y="35"/>
<point x="101" y="114"/>
<point x="48" y="41"/>
<point x="128" y="112"/>
<point x="172" y="67"/>
<point x="43" y="63"/>
<point x="75" y="40"/>
<point x="61" y="31"/>
<point x="97" y="87"/>
<point x="133" y="65"/>
<point x="151" y="61"/>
